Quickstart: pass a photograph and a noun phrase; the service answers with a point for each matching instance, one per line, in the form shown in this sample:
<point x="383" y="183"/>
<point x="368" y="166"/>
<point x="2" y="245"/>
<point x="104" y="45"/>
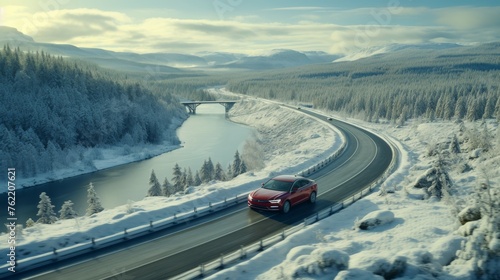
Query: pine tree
<point x="219" y="173"/>
<point x="229" y="173"/>
<point x="45" y="210"/>
<point x="155" y="188"/>
<point x="67" y="211"/>
<point x="205" y="172"/>
<point x="243" y="167"/>
<point x="189" y="177"/>
<point x="177" y="179"/>
<point x="93" y="201"/>
<point x="236" y="168"/>
<point x="167" y="188"/>
<point x="455" y="145"/>
<point x="210" y="169"/>
<point x="184" y="182"/>
<point x="197" y="179"/>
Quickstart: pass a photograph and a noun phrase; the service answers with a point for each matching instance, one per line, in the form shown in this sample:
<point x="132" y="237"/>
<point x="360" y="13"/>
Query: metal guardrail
<point x="252" y="249"/>
<point x="103" y="242"/>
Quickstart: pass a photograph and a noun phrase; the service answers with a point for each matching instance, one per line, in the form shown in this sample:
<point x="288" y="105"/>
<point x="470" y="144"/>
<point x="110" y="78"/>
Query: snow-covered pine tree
<point x="155" y="187"/>
<point x="45" y="210"/>
<point x="210" y="169"/>
<point x="177" y="179"/>
<point x="189" y="177"/>
<point x="67" y="211"/>
<point x="166" y="188"/>
<point x="229" y="173"/>
<point x="197" y="179"/>
<point x="236" y="167"/>
<point x="93" y="201"/>
<point x="455" y="145"/>
<point x="219" y="173"/>
<point x="184" y="181"/>
<point x="243" y="167"/>
<point x="205" y="172"/>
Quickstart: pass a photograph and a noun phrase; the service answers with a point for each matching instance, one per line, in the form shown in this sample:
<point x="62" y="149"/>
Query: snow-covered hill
<point x="392" y="48"/>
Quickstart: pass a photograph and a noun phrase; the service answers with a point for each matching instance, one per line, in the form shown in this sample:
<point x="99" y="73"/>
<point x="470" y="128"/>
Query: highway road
<point x="170" y="252"/>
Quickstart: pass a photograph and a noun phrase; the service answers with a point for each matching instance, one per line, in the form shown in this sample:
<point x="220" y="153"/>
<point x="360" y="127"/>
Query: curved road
<point x="171" y="252"/>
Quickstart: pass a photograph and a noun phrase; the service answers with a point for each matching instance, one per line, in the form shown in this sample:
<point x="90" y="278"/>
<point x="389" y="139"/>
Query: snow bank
<point x="374" y="219"/>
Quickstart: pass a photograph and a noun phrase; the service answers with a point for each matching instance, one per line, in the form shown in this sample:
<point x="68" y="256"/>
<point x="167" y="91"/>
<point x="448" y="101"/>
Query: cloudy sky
<point x="251" y="26"/>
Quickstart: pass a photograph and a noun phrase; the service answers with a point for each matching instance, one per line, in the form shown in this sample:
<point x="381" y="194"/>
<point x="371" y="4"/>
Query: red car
<point x="282" y="192"/>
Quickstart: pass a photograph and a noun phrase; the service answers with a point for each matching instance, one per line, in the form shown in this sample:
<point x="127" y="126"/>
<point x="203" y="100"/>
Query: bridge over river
<point x="191" y="105"/>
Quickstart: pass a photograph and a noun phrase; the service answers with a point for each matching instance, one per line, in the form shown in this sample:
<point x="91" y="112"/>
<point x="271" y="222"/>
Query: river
<point x="206" y="134"/>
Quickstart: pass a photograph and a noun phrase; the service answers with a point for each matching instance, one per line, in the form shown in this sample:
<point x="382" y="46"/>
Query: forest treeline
<point x="448" y="84"/>
<point x="53" y="109"/>
<point x="182" y="180"/>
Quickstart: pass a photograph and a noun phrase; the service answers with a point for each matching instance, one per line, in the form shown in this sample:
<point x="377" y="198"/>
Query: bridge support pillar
<point x="227" y="106"/>
<point x="192" y="107"/>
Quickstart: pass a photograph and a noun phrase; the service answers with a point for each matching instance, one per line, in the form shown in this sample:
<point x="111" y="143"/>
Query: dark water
<point x="206" y="134"/>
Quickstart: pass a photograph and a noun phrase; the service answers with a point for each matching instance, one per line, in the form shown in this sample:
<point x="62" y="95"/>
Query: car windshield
<point x="276" y="185"/>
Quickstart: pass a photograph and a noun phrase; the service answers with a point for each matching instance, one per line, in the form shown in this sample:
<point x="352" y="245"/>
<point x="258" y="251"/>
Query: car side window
<point x="299" y="184"/>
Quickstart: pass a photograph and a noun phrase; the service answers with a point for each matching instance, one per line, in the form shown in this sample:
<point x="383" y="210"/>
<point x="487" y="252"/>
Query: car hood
<point x="265" y="194"/>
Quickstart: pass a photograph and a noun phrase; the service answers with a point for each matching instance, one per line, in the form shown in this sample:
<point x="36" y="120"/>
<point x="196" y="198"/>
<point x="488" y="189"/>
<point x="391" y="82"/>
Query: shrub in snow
<point x="463" y="167"/>
<point x="469" y="213"/>
<point x="357" y="274"/>
<point x="435" y="181"/>
<point x="468" y="228"/>
<point x="475" y="153"/>
<point x="386" y="269"/>
<point x="444" y="250"/>
<point x="318" y="261"/>
<point x="482" y="249"/>
<point x="30" y="223"/>
<point x="374" y="219"/>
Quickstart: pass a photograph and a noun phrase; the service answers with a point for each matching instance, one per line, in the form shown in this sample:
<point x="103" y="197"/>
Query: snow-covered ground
<point x="413" y="238"/>
<point x="416" y="238"/>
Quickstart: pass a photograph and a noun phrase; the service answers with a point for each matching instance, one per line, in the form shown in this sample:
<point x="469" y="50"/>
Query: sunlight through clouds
<point x="331" y="29"/>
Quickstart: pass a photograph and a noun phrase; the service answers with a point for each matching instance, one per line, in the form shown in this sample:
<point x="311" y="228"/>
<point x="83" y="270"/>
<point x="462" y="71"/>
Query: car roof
<point x="287" y="178"/>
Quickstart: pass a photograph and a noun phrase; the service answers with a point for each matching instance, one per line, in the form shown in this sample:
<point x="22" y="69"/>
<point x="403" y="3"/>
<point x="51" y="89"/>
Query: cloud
<point x="299" y="9"/>
<point x="119" y="32"/>
<point x="468" y="18"/>
<point x="65" y="25"/>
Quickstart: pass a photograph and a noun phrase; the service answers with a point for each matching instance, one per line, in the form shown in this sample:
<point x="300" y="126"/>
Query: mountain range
<point x="167" y="62"/>
<point x="171" y="63"/>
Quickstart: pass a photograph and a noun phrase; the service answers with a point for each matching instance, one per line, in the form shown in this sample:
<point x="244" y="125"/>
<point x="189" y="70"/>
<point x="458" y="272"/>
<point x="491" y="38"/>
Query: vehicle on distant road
<point x="282" y="192"/>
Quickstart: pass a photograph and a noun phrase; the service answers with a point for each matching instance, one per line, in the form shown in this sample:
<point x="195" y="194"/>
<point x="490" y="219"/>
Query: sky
<point x="244" y="26"/>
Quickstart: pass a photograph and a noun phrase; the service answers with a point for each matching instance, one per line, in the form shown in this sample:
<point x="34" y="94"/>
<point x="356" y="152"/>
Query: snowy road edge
<point x="235" y="257"/>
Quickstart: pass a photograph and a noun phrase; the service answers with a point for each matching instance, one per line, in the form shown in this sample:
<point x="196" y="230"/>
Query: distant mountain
<point x="392" y="48"/>
<point x="167" y="62"/>
<point x="280" y="58"/>
<point x="218" y="58"/>
<point x="9" y="34"/>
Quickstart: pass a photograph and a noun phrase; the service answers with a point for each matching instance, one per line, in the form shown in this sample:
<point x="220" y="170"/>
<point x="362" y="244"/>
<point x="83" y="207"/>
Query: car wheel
<point x="286" y="207"/>
<point x="312" y="197"/>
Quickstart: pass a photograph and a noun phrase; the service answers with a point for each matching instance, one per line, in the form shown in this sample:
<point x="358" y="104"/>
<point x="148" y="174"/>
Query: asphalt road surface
<point x="173" y="251"/>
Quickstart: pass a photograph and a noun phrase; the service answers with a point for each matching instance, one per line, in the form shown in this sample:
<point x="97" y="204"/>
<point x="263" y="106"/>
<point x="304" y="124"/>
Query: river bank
<point x="100" y="158"/>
